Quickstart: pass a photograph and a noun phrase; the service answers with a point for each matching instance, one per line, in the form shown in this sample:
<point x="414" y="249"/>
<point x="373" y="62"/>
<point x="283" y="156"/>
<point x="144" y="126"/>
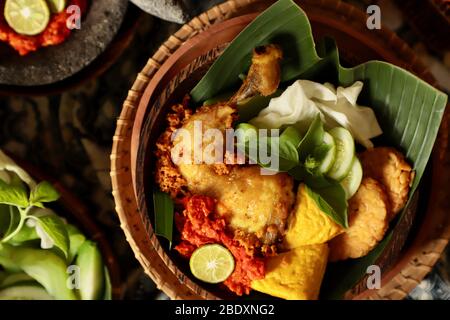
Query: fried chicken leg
<point x="264" y="75"/>
<point x="251" y="202"/>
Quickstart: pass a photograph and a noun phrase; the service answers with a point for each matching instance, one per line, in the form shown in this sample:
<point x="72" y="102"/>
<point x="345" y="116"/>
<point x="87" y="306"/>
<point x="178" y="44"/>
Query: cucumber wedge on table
<point x="44" y="266"/>
<point x="353" y="180"/>
<point x="92" y="277"/>
<point x="345" y="152"/>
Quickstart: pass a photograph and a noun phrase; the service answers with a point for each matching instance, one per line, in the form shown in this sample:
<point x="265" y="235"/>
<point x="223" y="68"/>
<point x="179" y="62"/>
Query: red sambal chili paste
<point x="198" y="225"/>
<point x="55" y="33"/>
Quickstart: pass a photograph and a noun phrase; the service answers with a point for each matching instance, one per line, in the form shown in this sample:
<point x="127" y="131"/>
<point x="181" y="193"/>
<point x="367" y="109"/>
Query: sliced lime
<point x="212" y="263"/>
<point x="27" y="17"/>
<point x="56" y="6"/>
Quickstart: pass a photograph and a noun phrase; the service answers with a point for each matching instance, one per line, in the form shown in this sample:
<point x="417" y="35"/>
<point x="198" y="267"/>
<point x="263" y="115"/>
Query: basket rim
<point x="136" y="97"/>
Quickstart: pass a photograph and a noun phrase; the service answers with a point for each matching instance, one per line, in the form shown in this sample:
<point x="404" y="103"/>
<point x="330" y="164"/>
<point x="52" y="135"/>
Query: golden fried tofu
<point x="307" y="224"/>
<point x="389" y="167"/>
<point x="296" y="274"/>
<point x="368" y="222"/>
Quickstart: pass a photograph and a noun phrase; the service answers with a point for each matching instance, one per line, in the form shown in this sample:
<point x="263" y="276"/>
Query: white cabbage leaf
<point x="299" y="104"/>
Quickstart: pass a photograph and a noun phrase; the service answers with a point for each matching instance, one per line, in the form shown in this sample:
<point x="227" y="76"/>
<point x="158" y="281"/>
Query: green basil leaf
<point x="56" y="230"/>
<point x="332" y="201"/>
<point x="14" y="220"/>
<point x="285" y="153"/>
<point x="13" y="195"/>
<point x="16" y="181"/>
<point x="321" y="151"/>
<point x="291" y="135"/>
<point x="312" y="139"/>
<point x="43" y="192"/>
<point x="164" y="210"/>
<point x="26" y="233"/>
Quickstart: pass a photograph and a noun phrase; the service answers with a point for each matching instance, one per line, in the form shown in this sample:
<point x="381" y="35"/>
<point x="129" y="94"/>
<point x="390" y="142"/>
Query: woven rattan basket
<point x="414" y="263"/>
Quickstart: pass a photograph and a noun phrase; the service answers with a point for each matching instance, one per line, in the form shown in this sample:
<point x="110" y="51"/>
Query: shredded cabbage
<point x="299" y="104"/>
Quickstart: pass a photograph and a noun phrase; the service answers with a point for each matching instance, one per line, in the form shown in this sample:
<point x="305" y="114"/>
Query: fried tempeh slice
<point x="368" y="222"/>
<point x="389" y="167"/>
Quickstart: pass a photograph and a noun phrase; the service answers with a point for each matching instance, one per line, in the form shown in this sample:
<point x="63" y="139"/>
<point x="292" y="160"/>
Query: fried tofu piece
<point x="296" y="274"/>
<point x="307" y="224"/>
<point x="368" y="222"/>
<point x="389" y="167"/>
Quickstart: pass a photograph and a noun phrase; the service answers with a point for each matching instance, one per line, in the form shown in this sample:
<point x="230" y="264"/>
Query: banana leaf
<point x="408" y="109"/>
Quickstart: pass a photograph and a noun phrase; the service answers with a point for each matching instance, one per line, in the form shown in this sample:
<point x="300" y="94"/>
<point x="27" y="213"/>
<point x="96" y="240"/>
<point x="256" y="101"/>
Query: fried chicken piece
<point x="250" y="202"/>
<point x="389" y="167"/>
<point x="368" y="222"/>
<point x="167" y="175"/>
<point x="264" y="75"/>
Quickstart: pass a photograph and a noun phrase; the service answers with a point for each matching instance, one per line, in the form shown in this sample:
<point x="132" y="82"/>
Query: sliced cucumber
<point x="330" y="157"/>
<point x="45" y="266"/>
<point x="25" y="293"/>
<point x="246" y="132"/>
<point x="92" y="270"/>
<point x="352" y="181"/>
<point x="345" y="151"/>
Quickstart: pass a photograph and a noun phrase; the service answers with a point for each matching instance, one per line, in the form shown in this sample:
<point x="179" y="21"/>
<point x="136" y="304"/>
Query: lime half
<point x="56" y="6"/>
<point x="27" y="17"/>
<point x="212" y="263"/>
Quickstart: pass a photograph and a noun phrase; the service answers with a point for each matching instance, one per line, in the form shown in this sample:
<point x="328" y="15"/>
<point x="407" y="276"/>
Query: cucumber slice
<point x="345" y="152"/>
<point x="246" y="132"/>
<point x="25" y="293"/>
<point x="352" y="181"/>
<point x="330" y="157"/>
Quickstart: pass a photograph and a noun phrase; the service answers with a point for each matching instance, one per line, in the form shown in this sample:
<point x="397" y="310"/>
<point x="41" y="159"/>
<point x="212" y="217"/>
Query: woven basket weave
<point x="401" y="279"/>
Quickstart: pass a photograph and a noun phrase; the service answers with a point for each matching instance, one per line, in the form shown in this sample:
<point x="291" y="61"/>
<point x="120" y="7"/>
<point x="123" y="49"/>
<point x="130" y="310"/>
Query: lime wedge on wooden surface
<point x="212" y="263"/>
<point x="56" y="6"/>
<point x="27" y="17"/>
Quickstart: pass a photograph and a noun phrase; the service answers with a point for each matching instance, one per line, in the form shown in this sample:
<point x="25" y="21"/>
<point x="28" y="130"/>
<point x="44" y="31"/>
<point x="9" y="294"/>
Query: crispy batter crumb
<point x="167" y="175"/>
